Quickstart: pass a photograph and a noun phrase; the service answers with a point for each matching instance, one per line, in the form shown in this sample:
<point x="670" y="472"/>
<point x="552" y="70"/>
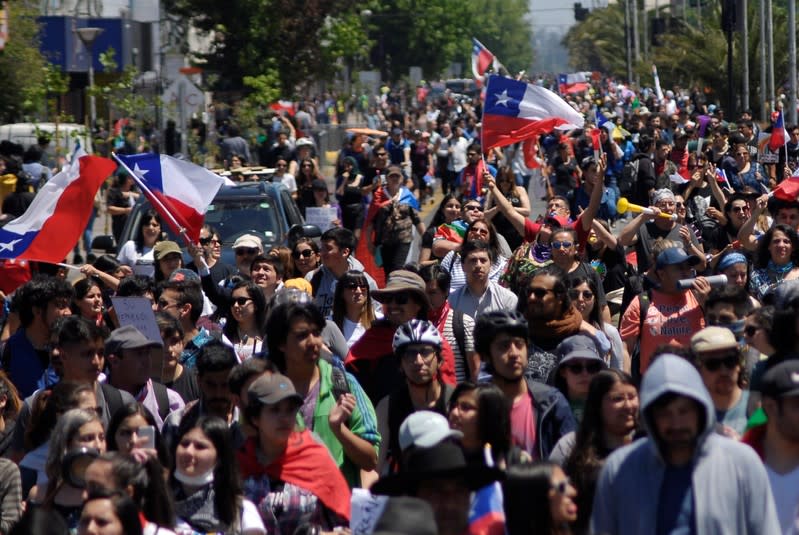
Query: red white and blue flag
<point x="515" y="111"/>
<point x="482" y="58"/>
<point x="487" y="510"/>
<point x="574" y="82"/>
<point x="778" y="137"/>
<point x="180" y="191"/>
<point x="58" y="215"/>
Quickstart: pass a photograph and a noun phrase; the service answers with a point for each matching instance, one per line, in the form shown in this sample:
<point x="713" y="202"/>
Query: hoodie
<point x="731" y="491"/>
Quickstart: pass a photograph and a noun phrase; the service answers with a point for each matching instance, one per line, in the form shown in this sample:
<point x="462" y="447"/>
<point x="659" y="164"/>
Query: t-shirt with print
<point x="671" y="320"/>
<point x="522" y="421"/>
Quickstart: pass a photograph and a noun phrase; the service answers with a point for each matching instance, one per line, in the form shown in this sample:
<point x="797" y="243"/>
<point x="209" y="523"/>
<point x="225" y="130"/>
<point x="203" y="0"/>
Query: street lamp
<point x="88" y="36"/>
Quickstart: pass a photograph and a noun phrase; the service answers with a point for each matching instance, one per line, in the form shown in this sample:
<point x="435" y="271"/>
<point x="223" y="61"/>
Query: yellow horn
<point x="621" y="206"/>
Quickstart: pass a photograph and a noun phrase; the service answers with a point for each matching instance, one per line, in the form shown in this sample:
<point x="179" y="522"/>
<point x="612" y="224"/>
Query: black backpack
<point x="629" y="177"/>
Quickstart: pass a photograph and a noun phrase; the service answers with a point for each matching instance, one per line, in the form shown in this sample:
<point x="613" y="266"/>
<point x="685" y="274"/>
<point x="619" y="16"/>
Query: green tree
<point x="597" y="43"/>
<point x="23" y="69"/>
<point x="504" y="27"/>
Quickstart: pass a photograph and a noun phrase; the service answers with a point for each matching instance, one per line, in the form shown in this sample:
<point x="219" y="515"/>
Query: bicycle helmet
<point x="416" y="332"/>
<point x="489" y="325"/>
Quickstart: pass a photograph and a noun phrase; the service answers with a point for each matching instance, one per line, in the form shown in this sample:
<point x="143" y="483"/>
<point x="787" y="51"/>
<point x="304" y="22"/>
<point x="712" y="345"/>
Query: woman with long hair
<point x="583" y="293"/>
<point x="453" y="264"/>
<point x="482" y="413"/>
<point x="125" y="432"/>
<point x="138" y="253"/>
<point x="307" y="172"/>
<point x="10" y="405"/>
<point x="109" y="513"/>
<point x="777" y="260"/>
<point x="448" y="213"/>
<point x="610" y="421"/>
<point x="305" y="254"/>
<point x="88" y="300"/>
<point x="517" y="195"/>
<point x="246" y="320"/>
<point x="205" y="481"/>
<point x="349" y="185"/>
<point x="353" y="310"/>
<point x="538" y="498"/>
<point x="288" y="474"/>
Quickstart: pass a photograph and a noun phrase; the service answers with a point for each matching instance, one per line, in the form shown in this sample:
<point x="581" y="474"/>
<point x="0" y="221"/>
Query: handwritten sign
<point x="321" y="217"/>
<point x="366" y="510"/>
<point x="137" y="311"/>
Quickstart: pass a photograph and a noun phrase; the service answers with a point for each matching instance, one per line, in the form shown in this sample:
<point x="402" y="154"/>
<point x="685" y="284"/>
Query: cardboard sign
<point x="366" y="510"/>
<point x="137" y="311"/>
<point x="321" y="217"/>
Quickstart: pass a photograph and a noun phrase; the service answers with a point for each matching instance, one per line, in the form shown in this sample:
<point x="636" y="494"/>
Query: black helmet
<point x="489" y="325"/>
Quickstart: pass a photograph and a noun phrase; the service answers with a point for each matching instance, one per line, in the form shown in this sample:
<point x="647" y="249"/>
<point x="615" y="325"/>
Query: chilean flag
<point x="788" y="189"/>
<point x="778" y="138"/>
<point x="58" y="215"/>
<point x="572" y="83"/>
<point x="481" y="59"/>
<point x="515" y="111"/>
<point x="180" y="191"/>
<point x="487" y="510"/>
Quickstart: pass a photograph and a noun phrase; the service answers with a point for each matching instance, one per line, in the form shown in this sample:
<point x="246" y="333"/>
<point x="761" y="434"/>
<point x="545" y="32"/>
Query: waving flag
<point x="487" y="510"/>
<point x="58" y="215"/>
<point x="515" y="111"/>
<point x="180" y="191"/>
<point x="600" y="118"/>
<point x="572" y="83"/>
<point x="788" y="189"/>
<point x="530" y="149"/>
<point x="778" y="138"/>
<point x="482" y="58"/>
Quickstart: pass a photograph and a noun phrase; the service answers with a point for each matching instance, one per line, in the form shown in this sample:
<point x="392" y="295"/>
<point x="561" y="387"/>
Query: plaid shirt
<point x="284" y="507"/>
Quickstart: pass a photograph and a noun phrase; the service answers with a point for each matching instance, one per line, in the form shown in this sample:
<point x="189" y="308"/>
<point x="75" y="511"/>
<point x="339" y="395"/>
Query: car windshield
<point x="234" y="217"/>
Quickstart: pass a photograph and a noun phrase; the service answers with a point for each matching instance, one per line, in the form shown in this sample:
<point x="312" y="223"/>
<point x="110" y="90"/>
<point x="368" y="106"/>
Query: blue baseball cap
<point x="675" y="255"/>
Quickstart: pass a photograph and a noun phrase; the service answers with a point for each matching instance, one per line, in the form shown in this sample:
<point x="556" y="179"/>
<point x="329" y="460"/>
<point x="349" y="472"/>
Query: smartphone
<point x="147" y="436"/>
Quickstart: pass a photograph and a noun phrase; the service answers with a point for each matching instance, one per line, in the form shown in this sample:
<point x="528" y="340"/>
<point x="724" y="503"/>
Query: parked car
<point x="264" y="209"/>
<point x="64" y="136"/>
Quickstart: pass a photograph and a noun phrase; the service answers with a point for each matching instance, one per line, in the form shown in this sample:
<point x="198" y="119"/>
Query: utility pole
<point x="769" y="31"/>
<point x="745" y="53"/>
<point x="628" y="39"/>
<point x="792" y="61"/>
<point x="636" y="49"/>
<point x="763" y="89"/>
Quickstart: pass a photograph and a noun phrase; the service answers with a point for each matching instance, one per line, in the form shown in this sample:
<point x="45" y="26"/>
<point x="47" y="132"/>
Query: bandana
<point x="662" y="194"/>
<point x="730" y="260"/>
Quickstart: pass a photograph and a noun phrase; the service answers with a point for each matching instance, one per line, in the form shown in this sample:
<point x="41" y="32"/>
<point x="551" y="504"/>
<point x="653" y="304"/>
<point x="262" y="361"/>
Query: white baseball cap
<point x="425" y="429"/>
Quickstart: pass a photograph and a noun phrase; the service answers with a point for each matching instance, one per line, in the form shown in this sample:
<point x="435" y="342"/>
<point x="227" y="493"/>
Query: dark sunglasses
<point x="750" y="330"/>
<point x="472" y="207"/>
<point x="578" y="367"/>
<point x="713" y="365"/>
<point x="679" y="204"/>
<point x="562" y="486"/>
<point x="397" y="299"/>
<point x="381" y="154"/>
<point x="736" y="209"/>
<point x="539" y="292"/>
<point x="305" y="253"/>
<point x="561" y="244"/>
<point x="586" y="294"/>
<point x="361" y="285"/>
<point x="241" y="301"/>
<point x="241" y="251"/>
<point x="209" y="240"/>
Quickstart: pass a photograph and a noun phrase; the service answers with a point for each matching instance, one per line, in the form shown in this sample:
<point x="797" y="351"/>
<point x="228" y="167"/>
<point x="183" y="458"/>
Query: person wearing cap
<point x="168" y="257"/>
<point x="393" y="222"/>
<point x="672" y="315"/>
<point x="579" y="363"/>
<point x="417" y="346"/>
<point x="440" y="476"/>
<point x="371" y="359"/>
<point x="682" y="478"/>
<point x="335" y="406"/>
<point x="289" y="476"/>
<point x="403" y="515"/>
<point x="777" y="440"/>
<point x="127" y="351"/>
<point x="720" y="360"/>
<point x="646" y="228"/>
<point x="246" y="247"/>
<point x="336" y="251"/>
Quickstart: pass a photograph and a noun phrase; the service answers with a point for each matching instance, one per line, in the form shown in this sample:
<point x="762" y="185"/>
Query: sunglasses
<point x="679" y="204"/>
<point x="472" y="208"/>
<point x="539" y="293"/>
<point x="562" y="486"/>
<point x="579" y="367"/>
<point x="750" y="330"/>
<point x="241" y="251"/>
<point x="412" y="352"/>
<point x="742" y="154"/>
<point x="354" y="285"/>
<point x="381" y="154"/>
<point x="561" y="244"/>
<point x="241" y="301"/>
<point x="397" y="299"/>
<point x="585" y="294"/>
<point x="207" y="241"/>
<point x="713" y="365"/>
<point x="305" y="253"/>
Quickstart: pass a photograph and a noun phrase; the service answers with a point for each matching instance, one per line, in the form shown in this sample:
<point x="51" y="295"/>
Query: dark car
<point x="264" y="209"/>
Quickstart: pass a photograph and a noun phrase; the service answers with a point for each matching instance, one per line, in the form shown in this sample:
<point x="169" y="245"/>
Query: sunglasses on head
<point x="729" y="362"/>
<point x="397" y="299"/>
<point x="579" y="367"/>
<point x="241" y="301"/>
<point x="561" y="244"/>
<point x="241" y="251"/>
<point x="585" y="294"/>
<point x="305" y="253"/>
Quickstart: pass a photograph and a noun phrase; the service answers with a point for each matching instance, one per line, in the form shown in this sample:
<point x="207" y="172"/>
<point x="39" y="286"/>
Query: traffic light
<point x="658" y="27"/>
<point x="728" y="16"/>
<point x="580" y="12"/>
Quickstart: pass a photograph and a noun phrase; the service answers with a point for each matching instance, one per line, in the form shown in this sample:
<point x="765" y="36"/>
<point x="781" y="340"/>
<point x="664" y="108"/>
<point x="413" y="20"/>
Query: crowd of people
<point x="591" y="365"/>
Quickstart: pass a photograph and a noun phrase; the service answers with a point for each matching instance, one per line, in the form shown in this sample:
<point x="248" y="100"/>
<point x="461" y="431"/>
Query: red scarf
<point x="377" y="342"/>
<point x="305" y="463"/>
<point x="439" y="316"/>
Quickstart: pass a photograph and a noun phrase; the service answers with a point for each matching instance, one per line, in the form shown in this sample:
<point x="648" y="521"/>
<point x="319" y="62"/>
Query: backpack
<point x="459" y="331"/>
<point x="644" y="300"/>
<point x="162" y="399"/>
<point x="113" y="399"/>
<point x="629" y="177"/>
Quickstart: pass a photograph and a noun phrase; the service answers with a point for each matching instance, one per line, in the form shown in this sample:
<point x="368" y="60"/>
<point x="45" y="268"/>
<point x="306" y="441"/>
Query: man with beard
<point x="719" y="359"/>
<point x="540" y="415"/>
<point x="214" y="362"/>
<point x="480" y="295"/>
<point x="417" y="345"/>
<point x="682" y="478"/>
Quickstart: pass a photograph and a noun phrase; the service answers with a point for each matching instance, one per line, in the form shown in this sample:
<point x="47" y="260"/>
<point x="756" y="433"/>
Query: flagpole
<point x="152" y="198"/>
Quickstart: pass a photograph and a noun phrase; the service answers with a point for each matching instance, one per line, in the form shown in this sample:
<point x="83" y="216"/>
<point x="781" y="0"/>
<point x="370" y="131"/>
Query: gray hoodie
<point x="730" y="487"/>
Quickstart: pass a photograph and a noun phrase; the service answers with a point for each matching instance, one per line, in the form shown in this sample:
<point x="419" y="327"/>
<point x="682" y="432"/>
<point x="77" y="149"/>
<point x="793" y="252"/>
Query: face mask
<point x="195" y="481"/>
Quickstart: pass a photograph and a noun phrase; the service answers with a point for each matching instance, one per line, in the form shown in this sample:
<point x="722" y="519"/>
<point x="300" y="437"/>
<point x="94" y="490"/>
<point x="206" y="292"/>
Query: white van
<point x="26" y="134"/>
